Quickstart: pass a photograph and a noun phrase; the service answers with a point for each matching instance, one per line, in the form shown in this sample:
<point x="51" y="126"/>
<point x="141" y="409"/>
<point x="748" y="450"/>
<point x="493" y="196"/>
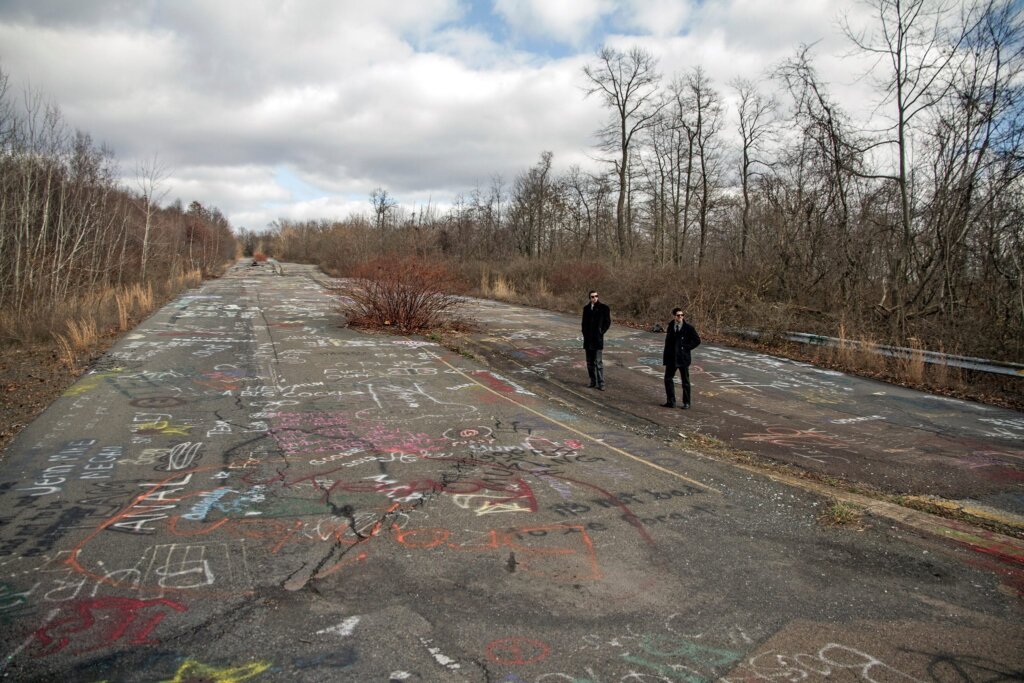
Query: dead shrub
<point x="576" y="278"/>
<point x="259" y="257"/>
<point x="408" y="296"/>
<point x="705" y="310"/>
<point x="522" y="277"/>
<point x="772" y="319"/>
<point x="644" y="293"/>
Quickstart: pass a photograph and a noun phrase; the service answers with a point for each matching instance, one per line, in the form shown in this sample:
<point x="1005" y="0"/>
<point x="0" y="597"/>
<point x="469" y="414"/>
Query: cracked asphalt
<point x="895" y="440"/>
<point x="245" y="489"/>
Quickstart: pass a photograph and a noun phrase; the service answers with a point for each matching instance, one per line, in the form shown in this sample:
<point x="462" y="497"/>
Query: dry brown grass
<point x="144" y="299"/>
<point x="502" y="289"/>
<point x="861" y="353"/>
<point x="911" y="368"/>
<point x="66" y="352"/>
<point x="135" y="301"/>
<point x="124" y="307"/>
<point x="82" y="333"/>
<point x="181" y="281"/>
<point x="82" y="320"/>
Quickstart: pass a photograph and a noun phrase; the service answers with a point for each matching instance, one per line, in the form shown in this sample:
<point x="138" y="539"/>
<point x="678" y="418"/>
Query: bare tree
<point x="383" y="204"/>
<point x="149" y="176"/>
<point x="628" y="83"/>
<point x="531" y="206"/>
<point x="684" y="134"/>
<point x="706" y="113"/>
<point x="827" y="161"/>
<point x="915" y="43"/>
<point x="974" y="176"/>
<point x="756" y="113"/>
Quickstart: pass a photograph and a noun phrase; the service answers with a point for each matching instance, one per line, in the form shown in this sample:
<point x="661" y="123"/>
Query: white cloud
<point x="656" y="17"/>
<point x="426" y="98"/>
<point x="566" y="22"/>
<point x="311" y="210"/>
<point x="470" y="46"/>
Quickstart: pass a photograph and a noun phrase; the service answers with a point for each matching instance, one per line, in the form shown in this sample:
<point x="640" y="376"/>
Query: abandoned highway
<point x="246" y="489"/>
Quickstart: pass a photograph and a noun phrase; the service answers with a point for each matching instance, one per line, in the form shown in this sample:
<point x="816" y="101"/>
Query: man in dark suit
<point x="681" y="339"/>
<point x="597" y="318"/>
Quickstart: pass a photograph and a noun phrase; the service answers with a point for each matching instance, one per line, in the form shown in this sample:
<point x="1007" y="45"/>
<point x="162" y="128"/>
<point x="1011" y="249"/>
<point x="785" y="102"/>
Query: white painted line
<point x="343" y="629"/>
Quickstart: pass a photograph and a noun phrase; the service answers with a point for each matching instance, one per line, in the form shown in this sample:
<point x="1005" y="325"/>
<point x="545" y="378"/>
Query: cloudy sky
<point x="300" y="108"/>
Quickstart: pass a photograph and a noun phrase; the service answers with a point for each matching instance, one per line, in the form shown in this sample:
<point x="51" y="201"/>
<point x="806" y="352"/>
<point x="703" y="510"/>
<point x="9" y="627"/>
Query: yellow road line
<point x="576" y="431"/>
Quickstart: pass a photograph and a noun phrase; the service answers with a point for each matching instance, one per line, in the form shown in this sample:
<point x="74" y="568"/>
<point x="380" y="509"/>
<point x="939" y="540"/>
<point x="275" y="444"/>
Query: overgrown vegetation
<point x="81" y="254"/>
<point x="809" y="221"/>
<point x="408" y="296"/>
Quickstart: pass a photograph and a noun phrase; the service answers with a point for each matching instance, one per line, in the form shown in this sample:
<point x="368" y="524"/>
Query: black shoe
<point x="686" y="406"/>
<point x="668" y="405"/>
<point x="592" y="385"/>
<point x="600" y="387"/>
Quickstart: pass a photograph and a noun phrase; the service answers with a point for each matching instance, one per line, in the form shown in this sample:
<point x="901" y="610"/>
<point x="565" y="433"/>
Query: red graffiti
<point x="101" y="622"/>
<point x="492" y="382"/>
<point x="517" y="651"/>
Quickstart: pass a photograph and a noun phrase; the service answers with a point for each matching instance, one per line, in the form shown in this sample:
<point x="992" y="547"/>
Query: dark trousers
<point x="595" y="367"/>
<point x="670" y="389"/>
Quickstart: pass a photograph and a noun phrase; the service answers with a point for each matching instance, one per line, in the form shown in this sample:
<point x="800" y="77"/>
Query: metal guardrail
<point x="932" y="357"/>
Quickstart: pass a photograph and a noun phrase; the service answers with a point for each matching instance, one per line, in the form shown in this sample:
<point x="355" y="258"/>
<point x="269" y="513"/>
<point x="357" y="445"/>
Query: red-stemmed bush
<point x="408" y="295"/>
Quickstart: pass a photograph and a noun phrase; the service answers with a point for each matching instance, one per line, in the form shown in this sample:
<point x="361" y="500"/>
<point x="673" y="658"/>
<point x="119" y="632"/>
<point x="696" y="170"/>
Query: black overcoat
<point x="679" y="344"/>
<point x="595" y="323"/>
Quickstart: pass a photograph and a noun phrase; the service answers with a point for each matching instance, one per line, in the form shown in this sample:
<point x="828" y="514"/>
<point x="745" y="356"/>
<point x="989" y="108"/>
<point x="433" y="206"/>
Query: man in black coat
<point x="597" y="318"/>
<point x="681" y="339"/>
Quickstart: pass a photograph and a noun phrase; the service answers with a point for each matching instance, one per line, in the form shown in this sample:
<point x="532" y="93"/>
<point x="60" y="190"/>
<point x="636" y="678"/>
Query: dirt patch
<point x="31" y="378"/>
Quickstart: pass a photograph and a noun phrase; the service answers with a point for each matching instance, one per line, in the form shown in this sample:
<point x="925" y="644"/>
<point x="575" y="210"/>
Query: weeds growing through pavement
<point x="843" y="515"/>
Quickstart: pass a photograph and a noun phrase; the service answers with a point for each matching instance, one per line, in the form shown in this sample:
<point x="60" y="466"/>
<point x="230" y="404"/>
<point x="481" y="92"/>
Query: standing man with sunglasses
<point x="681" y="339"/>
<point x="597" y="318"/>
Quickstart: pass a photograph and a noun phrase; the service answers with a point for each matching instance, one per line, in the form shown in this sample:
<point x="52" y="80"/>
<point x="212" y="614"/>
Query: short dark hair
<point x="678" y="310"/>
<point x="592" y="292"/>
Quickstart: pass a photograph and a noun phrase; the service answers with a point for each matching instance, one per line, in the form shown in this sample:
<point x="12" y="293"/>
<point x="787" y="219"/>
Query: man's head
<point x="593" y="297"/>
<point x="678" y="314"/>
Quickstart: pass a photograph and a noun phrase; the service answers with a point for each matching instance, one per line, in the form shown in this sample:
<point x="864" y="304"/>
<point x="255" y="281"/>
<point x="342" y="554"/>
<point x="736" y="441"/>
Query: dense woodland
<point x="73" y="236"/>
<point x="761" y="202"/>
